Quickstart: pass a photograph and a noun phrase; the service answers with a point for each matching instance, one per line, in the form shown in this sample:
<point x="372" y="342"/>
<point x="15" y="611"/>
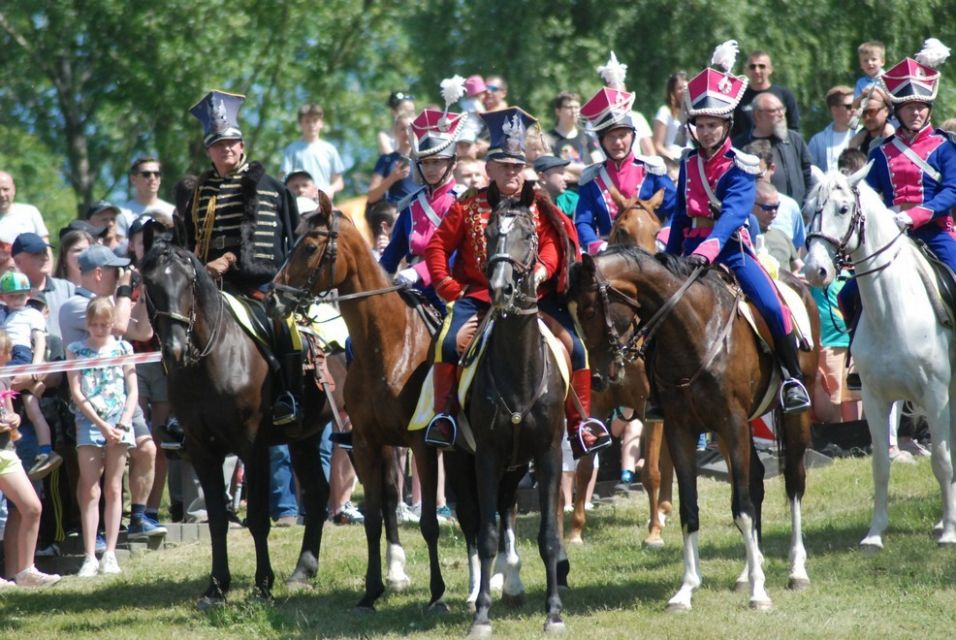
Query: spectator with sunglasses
<point x="827" y="145"/>
<point x="145" y="177"/>
<point x="759" y="69"/>
<point x="775" y="241"/>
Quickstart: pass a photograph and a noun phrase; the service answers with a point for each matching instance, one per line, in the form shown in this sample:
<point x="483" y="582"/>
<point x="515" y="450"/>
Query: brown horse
<point x="390" y="346"/>
<point x="709" y="372"/>
<point x="636" y="225"/>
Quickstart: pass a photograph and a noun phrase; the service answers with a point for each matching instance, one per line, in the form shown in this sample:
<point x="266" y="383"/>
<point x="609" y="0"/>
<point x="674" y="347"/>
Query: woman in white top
<point x="667" y="123"/>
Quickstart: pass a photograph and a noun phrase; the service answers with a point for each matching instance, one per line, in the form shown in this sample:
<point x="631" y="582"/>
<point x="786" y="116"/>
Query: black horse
<point x="220" y="388"/>
<point x="515" y="408"/>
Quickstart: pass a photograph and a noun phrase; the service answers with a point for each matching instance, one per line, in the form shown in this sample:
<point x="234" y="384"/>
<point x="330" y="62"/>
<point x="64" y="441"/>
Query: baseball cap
<point x="82" y="225"/>
<point x="14" y="282"/>
<point x="98" y="206"/>
<point x="298" y="172"/>
<point x="100" y="256"/>
<point x="30" y="243"/>
<point x="546" y="163"/>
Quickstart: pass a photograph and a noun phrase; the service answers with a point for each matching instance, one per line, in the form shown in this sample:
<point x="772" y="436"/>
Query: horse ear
<point x="527" y="195"/>
<point x="857" y="176"/>
<point x="656" y="200"/>
<point x="325" y="204"/>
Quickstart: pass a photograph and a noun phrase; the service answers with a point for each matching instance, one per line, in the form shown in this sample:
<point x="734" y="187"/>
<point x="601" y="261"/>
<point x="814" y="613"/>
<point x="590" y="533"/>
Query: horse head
<point x="512" y="238"/>
<point x="172" y="279"/>
<point x="313" y="267"/>
<point x="637" y="223"/>
<point x="836" y="225"/>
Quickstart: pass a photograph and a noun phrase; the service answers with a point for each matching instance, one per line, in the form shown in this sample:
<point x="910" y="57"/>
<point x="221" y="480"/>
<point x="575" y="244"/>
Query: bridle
<point x="193" y="354"/>
<point x="303" y="296"/>
<point x="856" y="228"/>
<point x="521" y="268"/>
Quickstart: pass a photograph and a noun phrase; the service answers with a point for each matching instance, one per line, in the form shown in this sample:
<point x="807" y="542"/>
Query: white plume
<point x="452" y="90"/>
<point x="933" y="54"/>
<point x="725" y="55"/>
<point x="613" y="72"/>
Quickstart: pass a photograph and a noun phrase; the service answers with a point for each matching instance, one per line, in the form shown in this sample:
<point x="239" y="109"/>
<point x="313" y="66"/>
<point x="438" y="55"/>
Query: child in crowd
<point x="471" y="173"/>
<point x="872" y="56"/>
<point x="550" y="170"/>
<point x="23" y="521"/>
<point x="26" y="328"/>
<point x="104" y="400"/>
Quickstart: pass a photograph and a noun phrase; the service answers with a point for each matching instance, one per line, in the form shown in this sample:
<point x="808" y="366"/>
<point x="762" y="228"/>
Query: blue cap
<point x="508" y="128"/>
<point x="219" y="114"/>
<point x="100" y="256"/>
<point x="29" y="243"/>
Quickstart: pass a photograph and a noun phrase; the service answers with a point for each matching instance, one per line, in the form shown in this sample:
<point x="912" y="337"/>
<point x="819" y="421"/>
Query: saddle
<point x="424" y="307"/>
<point x="942" y="289"/>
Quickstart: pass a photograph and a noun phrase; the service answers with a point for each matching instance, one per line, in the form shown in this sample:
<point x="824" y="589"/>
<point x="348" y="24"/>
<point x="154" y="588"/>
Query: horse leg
<point x="582" y="476"/>
<point x="548" y="471"/>
<point x="208" y="468"/>
<point x="651" y="479"/>
<point x="315" y="496"/>
<point x="426" y="460"/>
<point x="796" y="439"/>
<point x="666" y="496"/>
<point x="396" y="578"/>
<point x="372" y="465"/>
<point x="487" y="471"/>
<point x="507" y="562"/>
<point x="682" y="441"/>
<point x="460" y="470"/>
<point x="880" y="413"/>
<point x="756" y="492"/>
<point x="940" y="432"/>
<point x="257" y="517"/>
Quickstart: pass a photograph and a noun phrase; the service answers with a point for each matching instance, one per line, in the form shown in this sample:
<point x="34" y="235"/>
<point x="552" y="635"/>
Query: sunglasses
<point x="754" y="66"/>
<point x="769" y="207"/>
<point x="492" y="87"/>
<point x="150" y="174"/>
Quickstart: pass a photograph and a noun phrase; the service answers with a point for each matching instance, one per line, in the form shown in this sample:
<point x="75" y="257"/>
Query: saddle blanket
<point x="425" y="409"/>
<point x="322" y="320"/>
<point x="798" y="313"/>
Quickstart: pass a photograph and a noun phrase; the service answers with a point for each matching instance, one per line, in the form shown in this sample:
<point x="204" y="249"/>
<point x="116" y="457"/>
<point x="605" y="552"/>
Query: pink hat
<point x="475" y="86"/>
<point x="716" y="92"/>
<point x="916" y="80"/>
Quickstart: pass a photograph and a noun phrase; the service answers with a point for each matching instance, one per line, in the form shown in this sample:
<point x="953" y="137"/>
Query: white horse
<point x="902" y="350"/>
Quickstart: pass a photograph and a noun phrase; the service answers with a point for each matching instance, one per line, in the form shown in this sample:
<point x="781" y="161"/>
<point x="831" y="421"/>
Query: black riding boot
<point x="287" y="408"/>
<point x="853" y="382"/>
<point x="793" y="395"/>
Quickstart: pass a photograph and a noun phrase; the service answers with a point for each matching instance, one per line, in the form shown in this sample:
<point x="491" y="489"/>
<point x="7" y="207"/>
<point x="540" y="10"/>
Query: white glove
<point x="902" y="220"/>
<point x="540" y="275"/>
<point x="407" y="276"/>
<point x="602" y="247"/>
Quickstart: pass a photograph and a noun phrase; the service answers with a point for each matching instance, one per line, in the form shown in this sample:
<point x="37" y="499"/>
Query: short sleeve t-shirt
<point x="320" y="158"/>
<point x="576" y="149"/>
<point x="21" y="218"/>
<point x="19" y="324"/>
<point x="400" y="189"/>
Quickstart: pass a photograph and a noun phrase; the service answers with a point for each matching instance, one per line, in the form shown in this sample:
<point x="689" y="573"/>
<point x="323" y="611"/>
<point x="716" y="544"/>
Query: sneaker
<point x="853" y="382"/>
<point x="899" y="456"/>
<point x="109" y="564"/>
<point x="100" y="543"/>
<point x="444" y="514"/>
<point x="6" y="584"/>
<point x="52" y="550"/>
<point x="348" y="515"/>
<point x="441" y="431"/>
<point x="285" y="522"/>
<point x="45" y="464"/>
<point x="914" y="448"/>
<point x="627" y="479"/>
<point x="286" y="410"/>
<point x="143" y="529"/>
<point x="90" y="567"/>
<point x="405" y="514"/>
<point x="31" y="577"/>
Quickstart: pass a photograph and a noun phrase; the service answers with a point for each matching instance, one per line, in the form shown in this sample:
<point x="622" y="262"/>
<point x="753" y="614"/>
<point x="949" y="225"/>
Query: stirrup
<point x="853" y="381"/>
<point x="800" y="404"/>
<point x="291" y="412"/>
<point x="601" y="441"/>
<point x="435" y="442"/>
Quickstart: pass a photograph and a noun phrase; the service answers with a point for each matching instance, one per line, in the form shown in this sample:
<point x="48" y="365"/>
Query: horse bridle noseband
<point x="521" y="269"/>
<point x="841" y="246"/>
<point x="193" y="354"/>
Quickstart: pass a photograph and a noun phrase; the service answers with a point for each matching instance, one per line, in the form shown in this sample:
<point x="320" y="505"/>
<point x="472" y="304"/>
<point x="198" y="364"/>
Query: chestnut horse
<point x="220" y="388"/>
<point x="709" y="372"/>
<point x="390" y="346"/>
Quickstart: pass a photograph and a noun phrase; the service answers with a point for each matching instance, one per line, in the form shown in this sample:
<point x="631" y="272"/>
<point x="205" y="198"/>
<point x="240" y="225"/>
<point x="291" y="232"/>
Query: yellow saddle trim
<point x="425" y="409"/>
<point x="322" y="320"/>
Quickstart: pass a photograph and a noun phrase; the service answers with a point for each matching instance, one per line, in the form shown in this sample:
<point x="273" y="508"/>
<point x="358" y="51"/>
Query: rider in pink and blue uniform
<point x="608" y="115"/>
<point x="915" y="169"/>
<point x="715" y="195"/>
<point x="434" y="134"/>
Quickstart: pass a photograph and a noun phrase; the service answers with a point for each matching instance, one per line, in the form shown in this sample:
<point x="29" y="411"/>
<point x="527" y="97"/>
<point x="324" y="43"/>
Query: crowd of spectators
<point x="82" y="299"/>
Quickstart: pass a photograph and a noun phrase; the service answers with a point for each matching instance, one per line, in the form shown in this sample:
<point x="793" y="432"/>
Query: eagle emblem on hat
<point x="514" y="134"/>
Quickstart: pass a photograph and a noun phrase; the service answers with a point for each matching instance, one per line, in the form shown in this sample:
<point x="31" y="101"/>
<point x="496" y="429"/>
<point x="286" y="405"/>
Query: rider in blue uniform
<point x="715" y="195"/>
<point x="608" y="115"/>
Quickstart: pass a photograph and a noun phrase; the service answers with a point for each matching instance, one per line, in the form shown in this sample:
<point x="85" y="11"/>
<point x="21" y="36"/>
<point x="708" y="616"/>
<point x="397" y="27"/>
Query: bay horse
<point x="902" y="349"/>
<point x="515" y="406"/>
<point x="709" y="372"/>
<point x="220" y="389"/>
<point x="390" y="347"/>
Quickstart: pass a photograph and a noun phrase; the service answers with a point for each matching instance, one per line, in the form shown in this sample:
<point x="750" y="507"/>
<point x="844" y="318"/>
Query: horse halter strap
<point x="522" y="269"/>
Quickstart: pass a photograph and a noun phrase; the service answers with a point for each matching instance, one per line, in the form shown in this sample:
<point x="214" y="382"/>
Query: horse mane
<point x="204" y="282"/>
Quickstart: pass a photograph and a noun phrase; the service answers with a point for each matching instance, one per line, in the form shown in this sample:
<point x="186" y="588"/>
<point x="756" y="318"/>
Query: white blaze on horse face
<point x="833" y="205"/>
<point x="167" y="271"/>
<point x="506" y="224"/>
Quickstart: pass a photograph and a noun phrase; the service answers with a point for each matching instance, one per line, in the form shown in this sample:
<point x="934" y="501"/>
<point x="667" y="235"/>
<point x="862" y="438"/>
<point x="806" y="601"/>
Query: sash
<point x="604" y="183"/>
<point x="714" y="202"/>
<point x="918" y="161"/>
<point x="426" y="206"/>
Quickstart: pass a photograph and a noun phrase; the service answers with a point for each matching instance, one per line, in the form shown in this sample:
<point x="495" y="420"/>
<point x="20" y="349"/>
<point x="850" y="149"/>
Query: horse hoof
<point x="399" y="585"/>
<point x="296" y="586"/>
<point x="207" y="603"/>
<point x="554" y="626"/>
<point x="677" y="607"/>
<point x="479" y="631"/>
<point x="364" y="609"/>
<point x="946" y="544"/>
<point x="653" y="543"/>
<point x="438" y="607"/>
<point x="513" y="600"/>
<point x="761" y="605"/>
<point x="741" y="587"/>
<point x="471" y="606"/>
<point x="798" y="584"/>
<point x="871" y="546"/>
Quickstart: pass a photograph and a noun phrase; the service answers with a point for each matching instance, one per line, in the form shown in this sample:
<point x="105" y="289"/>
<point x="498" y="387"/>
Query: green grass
<point x="618" y="588"/>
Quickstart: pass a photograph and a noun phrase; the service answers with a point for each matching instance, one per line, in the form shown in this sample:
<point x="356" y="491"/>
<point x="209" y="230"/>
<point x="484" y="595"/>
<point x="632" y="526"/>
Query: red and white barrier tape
<point x="77" y="365"/>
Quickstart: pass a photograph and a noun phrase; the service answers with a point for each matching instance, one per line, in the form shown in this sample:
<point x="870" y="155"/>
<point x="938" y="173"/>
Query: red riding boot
<point x="586" y="434"/>
<point x="443" y="429"/>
